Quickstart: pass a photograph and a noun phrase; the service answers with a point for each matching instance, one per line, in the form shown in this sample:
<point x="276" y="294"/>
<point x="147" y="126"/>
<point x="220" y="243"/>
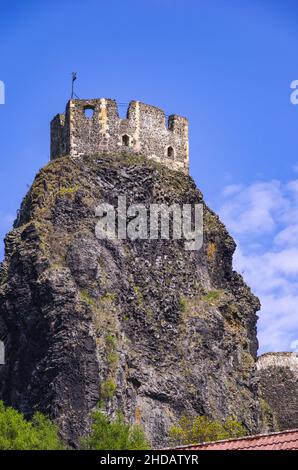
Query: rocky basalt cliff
<point x="142" y="326"/>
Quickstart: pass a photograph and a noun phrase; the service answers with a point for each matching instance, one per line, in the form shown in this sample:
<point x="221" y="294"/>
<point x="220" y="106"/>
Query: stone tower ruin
<point x="91" y="127"/>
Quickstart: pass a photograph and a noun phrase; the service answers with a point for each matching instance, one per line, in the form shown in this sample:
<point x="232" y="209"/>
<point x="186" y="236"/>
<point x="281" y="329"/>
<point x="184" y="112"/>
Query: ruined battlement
<point x="91" y="127"/>
<point x="281" y="359"/>
<point x="277" y="375"/>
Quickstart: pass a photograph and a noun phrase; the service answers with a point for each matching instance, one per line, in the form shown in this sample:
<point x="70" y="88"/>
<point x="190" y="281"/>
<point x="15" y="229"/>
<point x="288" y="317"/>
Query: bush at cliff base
<point x="18" y="434"/>
<point x="114" y="435"/>
<point x="203" y="429"/>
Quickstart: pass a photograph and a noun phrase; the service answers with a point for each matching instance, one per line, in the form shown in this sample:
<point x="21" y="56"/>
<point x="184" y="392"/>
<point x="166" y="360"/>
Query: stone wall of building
<point x="145" y="131"/>
<point x="278" y="377"/>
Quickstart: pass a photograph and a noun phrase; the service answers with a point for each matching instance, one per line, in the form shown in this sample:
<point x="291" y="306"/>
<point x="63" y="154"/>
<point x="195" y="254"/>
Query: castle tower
<point x="91" y="127"/>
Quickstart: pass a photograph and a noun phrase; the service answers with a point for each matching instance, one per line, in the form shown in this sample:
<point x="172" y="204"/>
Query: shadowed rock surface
<point x="143" y="326"/>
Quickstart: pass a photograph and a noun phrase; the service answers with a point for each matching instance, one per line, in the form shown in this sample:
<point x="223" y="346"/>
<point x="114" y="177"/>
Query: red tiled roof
<point x="286" y="440"/>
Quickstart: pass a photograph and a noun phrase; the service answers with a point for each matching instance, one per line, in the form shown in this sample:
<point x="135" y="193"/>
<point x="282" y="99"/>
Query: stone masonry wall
<point x="278" y="377"/>
<point x="143" y="132"/>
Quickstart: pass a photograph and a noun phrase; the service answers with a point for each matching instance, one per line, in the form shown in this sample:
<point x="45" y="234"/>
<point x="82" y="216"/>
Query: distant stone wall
<point x="278" y="377"/>
<point x="145" y="131"/>
<point x="2" y="353"/>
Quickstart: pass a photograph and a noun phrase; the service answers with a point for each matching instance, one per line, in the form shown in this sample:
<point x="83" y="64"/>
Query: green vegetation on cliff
<point x="114" y="435"/>
<point x="203" y="429"/>
<point x="18" y="434"/>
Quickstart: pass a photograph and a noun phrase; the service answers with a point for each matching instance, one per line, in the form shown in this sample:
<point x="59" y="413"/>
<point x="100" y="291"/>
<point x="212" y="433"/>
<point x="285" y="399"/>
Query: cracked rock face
<point x="143" y="326"/>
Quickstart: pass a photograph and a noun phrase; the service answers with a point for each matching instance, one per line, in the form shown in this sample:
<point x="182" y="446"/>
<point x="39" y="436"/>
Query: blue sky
<point x="225" y="64"/>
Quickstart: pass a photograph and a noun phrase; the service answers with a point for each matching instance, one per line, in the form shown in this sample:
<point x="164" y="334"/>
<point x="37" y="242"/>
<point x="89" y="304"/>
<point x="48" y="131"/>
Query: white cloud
<point x="232" y="189"/>
<point x="253" y="208"/>
<point x="278" y="327"/>
<point x="287" y="236"/>
<point x="263" y="217"/>
<point x="293" y="186"/>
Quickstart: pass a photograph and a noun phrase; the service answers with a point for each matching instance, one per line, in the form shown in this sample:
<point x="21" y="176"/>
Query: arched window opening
<point x="125" y="140"/>
<point x="170" y="152"/>
<point x="89" y="112"/>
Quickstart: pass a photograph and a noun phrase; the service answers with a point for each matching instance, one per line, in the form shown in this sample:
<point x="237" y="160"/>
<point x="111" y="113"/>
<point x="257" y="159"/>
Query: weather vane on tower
<point x="74" y="77"/>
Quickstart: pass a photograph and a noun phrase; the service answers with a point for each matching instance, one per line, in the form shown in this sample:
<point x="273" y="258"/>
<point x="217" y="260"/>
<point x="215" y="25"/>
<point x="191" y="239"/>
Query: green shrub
<point x="113" y="358"/>
<point x="203" y="429"/>
<point x="86" y="297"/>
<point x="182" y="304"/>
<point x="108" y="388"/>
<point x="113" y="435"/>
<point x="69" y="190"/>
<point x="111" y="342"/>
<point x="212" y="297"/>
<point x="18" y="434"/>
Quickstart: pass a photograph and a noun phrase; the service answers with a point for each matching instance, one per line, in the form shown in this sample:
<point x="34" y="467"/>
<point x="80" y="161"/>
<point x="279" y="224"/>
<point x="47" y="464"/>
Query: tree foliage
<point x="18" y="434"/>
<point x="114" y="435"/>
<point x="203" y="429"/>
